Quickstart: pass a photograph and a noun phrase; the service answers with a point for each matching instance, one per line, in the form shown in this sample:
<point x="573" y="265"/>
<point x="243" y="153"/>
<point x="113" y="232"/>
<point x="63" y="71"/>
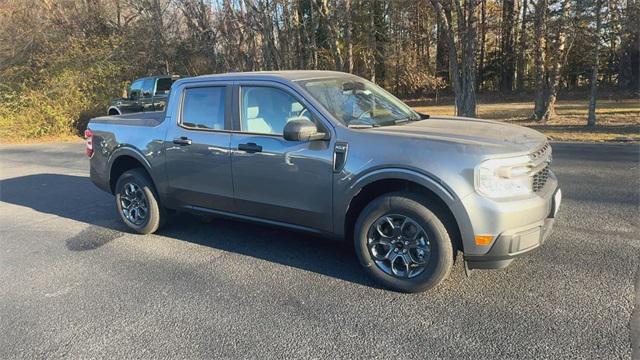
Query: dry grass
<point x="617" y="120"/>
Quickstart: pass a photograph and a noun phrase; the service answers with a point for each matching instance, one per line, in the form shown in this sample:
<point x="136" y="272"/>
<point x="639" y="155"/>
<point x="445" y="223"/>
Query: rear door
<point x="198" y="160"/>
<point x="276" y="179"/>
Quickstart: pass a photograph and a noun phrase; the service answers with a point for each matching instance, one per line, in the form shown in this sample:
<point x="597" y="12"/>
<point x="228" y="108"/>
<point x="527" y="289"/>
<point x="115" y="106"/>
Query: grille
<point x="540" y="152"/>
<point x="540" y="178"/>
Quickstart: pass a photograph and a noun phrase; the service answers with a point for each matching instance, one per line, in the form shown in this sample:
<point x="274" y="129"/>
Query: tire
<point x="155" y="214"/>
<point x="435" y="240"/>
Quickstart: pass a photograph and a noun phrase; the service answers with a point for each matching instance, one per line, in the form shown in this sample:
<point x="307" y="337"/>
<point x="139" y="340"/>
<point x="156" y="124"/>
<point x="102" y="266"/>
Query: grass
<point x="617" y="120"/>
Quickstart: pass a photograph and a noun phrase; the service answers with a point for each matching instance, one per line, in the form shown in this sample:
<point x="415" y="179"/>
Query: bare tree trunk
<point x="315" y="25"/>
<point x="448" y="36"/>
<point x="347" y="36"/>
<point x="331" y="32"/>
<point x="560" y="58"/>
<point x="372" y="43"/>
<point x="591" y="118"/>
<point x="507" y="66"/>
<point x="522" y="52"/>
<point x="468" y="62"/>
<point x="483" y="40"/>
<point x="442" y="50"/>
<point x="118" y="15"/>
<point x="540" y="57"/>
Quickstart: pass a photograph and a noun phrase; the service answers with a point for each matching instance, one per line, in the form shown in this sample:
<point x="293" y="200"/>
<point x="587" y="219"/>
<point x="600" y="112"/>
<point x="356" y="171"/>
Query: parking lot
<point x="75" y="283"/>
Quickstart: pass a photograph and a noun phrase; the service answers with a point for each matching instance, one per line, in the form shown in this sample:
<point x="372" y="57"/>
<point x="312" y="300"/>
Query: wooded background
<point x="62" y="60"/>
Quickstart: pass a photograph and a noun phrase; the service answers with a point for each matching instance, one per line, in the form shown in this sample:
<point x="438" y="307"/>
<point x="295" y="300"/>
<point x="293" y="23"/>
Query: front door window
<point x="266" y="110"/>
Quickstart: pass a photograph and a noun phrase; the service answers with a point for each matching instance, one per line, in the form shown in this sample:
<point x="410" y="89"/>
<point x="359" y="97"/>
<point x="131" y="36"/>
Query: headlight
<point x="503" y="178"/>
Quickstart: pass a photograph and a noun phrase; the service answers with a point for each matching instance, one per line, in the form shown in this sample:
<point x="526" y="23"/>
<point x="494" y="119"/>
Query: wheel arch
<point x="433" y="190"/>
<point x="113" y="110"/>
<point x="125" y="159"/>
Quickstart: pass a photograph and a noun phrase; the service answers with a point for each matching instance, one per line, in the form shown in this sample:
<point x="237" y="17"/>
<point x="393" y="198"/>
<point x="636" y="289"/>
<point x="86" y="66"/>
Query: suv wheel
<point x="402" y="243"/>
<point x="137" y="202"/>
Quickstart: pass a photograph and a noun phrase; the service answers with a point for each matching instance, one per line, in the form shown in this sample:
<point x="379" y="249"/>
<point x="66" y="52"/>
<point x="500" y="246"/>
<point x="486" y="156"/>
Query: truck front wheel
<point x="403" y="243"/>
<point x="137" y="202"/>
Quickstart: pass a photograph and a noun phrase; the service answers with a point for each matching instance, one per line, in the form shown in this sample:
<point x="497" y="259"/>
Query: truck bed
<point x="150" y="119"/>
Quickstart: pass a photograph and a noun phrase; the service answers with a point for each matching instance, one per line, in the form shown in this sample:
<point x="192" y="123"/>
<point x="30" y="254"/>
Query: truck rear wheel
<point x="403" y="243"/>
<point x="137" y="202"/>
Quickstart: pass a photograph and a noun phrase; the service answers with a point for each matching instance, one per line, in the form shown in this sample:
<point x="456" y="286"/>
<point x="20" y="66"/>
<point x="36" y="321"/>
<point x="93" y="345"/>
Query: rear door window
<point x="204" y="108"/>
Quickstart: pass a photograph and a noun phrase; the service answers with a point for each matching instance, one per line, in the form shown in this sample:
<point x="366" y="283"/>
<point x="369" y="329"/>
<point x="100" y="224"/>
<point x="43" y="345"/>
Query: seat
<point x="254" y="123"/>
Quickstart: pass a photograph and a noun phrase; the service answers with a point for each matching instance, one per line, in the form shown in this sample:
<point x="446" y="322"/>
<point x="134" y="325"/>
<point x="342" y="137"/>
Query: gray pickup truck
<point x="333" y="154"/>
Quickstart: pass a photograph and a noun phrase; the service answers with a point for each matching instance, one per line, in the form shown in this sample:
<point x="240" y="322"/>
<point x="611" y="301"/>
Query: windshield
<point x="358" y="102"/>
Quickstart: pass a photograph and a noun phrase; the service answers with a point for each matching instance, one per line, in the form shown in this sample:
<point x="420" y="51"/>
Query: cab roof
<point x="290" y="75"/>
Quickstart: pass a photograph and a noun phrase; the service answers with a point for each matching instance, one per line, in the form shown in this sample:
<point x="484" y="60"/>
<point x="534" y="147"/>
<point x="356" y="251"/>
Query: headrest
<point x="296" y="107"/>
<point x="252" y="112"/>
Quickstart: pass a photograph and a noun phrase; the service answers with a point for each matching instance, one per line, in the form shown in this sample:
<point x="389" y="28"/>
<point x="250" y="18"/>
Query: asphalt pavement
<point x="74" y="283"/>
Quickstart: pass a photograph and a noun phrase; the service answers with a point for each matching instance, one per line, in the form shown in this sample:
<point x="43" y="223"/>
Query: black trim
<point x="253" y="219"/>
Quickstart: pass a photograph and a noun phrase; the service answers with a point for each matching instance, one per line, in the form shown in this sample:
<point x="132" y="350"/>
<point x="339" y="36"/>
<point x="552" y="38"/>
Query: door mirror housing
<point x="302" y="129"/>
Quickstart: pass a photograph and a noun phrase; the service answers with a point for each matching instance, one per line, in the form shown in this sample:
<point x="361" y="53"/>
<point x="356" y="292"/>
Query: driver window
<point x="136" y="89"/>
<point x="266" y="110"/>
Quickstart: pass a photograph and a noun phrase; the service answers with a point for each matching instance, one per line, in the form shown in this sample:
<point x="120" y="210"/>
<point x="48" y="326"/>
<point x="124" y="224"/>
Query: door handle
<point x="182" y="140"/>
<point x="250" y="147"/>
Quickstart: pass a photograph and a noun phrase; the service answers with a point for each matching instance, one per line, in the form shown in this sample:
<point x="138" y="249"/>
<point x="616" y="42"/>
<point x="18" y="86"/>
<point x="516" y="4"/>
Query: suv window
<point x="163" y="85"/>
<point x="266" y="110"/>
<point x="147" y="87"/>
<point x="203" y="108"/>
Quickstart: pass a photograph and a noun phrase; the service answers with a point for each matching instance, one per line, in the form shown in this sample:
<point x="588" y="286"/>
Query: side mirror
<point x="302" y="129"/>
<point x="134" y="95"/>
<point x="424" y="116"/>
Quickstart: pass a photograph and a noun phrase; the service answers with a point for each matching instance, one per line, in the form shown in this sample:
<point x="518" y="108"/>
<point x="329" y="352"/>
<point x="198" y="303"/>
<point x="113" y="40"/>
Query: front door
<point x="276" y="179"/>
<point x="146" y="100"/>
<point x="132" y="103"/>
<point x="198" y="160"/>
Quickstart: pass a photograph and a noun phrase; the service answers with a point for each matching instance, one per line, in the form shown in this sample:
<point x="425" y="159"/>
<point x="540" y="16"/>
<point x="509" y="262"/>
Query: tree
<point x="461" y="67"/>
<point x="549" y="58"/>
<point x="507" y="68"/>
<point x="483" y="41"/>
<point x="522" y="50"/>
<point x="591" y="118"/>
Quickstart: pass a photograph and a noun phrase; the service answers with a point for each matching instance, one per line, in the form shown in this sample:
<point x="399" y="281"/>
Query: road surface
<point x="75" y="283"/>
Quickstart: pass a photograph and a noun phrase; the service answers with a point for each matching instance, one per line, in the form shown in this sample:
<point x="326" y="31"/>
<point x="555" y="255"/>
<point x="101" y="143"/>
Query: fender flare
<point x="131" y="152"/>
<point x="114" y="108"/>
<point x="428" y="181"/>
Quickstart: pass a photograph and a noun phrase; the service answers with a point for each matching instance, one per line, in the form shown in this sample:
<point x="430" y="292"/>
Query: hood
<point x="495" y="136"/>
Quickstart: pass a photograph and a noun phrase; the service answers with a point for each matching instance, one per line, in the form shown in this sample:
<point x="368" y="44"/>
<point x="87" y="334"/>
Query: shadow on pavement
<point x="76" y="198"/>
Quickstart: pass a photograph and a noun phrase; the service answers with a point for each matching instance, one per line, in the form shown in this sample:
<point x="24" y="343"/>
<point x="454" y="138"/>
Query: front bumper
<point x="508" y="246"/>
<point x="518" y="241"/>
